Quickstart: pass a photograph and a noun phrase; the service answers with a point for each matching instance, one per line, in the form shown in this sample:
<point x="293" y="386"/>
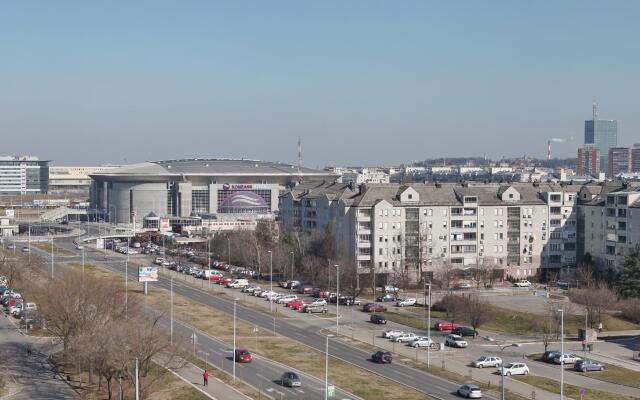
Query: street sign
<point x="99" y="243"/>
<point x="147" y="274"/>
<point x="581" y="392"/>
<point x="331" y="391"/>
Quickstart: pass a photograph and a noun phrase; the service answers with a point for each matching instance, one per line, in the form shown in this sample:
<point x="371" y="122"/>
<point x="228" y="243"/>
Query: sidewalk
<point x="216" y="390"/>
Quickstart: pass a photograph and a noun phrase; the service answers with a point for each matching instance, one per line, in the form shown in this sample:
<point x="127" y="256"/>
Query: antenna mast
<point x="595" y="111"/>
<point x="299" y="160"/>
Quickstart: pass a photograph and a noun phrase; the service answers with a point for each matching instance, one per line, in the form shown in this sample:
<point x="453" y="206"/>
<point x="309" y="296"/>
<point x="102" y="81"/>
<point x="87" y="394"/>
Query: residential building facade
<point x="417" y="228"/>
<point x="619" y="161"/>
<point x="588" y="162"/>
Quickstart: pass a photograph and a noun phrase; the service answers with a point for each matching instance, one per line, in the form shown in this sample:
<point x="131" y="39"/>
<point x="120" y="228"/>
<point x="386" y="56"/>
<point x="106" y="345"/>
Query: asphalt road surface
<point x="426" y="383"/>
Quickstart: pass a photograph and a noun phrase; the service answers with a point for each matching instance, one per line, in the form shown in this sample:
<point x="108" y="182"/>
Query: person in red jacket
<point x="205" y="378"/>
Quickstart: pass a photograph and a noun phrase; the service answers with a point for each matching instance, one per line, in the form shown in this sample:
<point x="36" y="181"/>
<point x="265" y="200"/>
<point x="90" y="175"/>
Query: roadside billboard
<point x="148" y="274"/>
<point x="99" y="243"/>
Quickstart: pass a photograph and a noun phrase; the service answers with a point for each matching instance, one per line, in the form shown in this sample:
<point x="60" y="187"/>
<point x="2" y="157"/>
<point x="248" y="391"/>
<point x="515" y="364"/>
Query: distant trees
<point x="596" y="298"/>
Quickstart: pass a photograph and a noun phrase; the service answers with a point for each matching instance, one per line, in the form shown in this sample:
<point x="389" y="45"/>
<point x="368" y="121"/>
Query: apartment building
<point x="619" y="161"/>
<point x="611" y="214"/>
<point x="588" y="162"/>
<point x="519" y="227"/>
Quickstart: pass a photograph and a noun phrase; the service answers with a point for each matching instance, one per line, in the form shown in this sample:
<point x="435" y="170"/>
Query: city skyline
<point x="360" y="85"/>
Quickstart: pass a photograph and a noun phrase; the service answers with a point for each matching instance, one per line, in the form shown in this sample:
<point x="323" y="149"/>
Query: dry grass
<point x="57" y="250"/>
<point x="571" y="391"/>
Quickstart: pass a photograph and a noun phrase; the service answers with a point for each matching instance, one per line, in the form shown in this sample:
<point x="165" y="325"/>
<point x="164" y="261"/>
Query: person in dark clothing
<point x="29" y="350"/>
<point x="205" y="378"/>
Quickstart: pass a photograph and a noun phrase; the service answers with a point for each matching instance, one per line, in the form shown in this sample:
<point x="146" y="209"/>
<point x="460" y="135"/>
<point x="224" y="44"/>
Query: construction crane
<point x="553" y="140"/>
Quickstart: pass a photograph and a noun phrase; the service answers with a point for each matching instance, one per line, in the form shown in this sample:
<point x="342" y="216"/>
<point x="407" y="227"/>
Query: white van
<point x="238" y="283"/>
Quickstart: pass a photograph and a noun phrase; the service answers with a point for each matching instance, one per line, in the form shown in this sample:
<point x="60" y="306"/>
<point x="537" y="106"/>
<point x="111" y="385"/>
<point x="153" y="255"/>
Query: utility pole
<point x="270" y="280"/>
<point x="171" y="312"/>
<point x="14" y="249"/>
<point x="337" y="297"/>
<point x="137" y="382"/>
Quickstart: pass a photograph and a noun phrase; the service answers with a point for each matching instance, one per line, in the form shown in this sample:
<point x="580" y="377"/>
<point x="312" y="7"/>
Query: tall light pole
<point x="429" y="328"/>
<point x="337" y="297"/>
<point x="291" y="252"/>
<point x="14" y="249"/>
<point x="561" y="311"/>
<point x="235" y="302"/>
<point x="29" y="243"/>
<point x="126" y="284"/>
<point x="271" y="279"/>
<point x="326" y="369"/>
<point x="502" y="347"/>
<point x="171" y="312"/>
<point x="229" y="250"/>
<point x="82" y="259"/>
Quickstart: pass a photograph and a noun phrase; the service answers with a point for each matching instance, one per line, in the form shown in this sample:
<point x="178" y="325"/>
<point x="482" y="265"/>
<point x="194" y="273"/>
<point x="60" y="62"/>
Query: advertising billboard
<point x="148" y="274"/>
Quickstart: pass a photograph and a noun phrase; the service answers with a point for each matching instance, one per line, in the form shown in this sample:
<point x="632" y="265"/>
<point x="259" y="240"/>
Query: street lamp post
<point x="502" y="347"/>
<point x="14" y="249"/>
<point x="561" y="311"/>
<point x="270" y="280"/>
<point x="235" y="302"/>
<point x="171" y="312"/>
<point x="337" y="297"/>
<point x="429" y="327"/>
<point x="229" y="250"/>
<point x="291" y="265"/>
<point x="83" y="260"/>
<point x="326" y="369"/>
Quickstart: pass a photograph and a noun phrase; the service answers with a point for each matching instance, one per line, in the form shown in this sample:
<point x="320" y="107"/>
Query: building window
<point x="200" y="201"/>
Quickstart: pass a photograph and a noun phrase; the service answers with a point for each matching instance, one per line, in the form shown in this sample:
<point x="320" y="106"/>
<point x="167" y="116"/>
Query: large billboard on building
<point x="244" y="198"/>
<point x="148" y="274"/>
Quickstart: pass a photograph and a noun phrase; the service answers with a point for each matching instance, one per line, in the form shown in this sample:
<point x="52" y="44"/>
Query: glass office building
<point x="603" y="135"/>
<point x="23" y="175"/>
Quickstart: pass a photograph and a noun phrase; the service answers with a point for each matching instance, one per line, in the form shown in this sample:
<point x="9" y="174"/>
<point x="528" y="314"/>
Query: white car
<point x="487" y="361"/>
<point x="470" y="391"/>
<point x="405" y="337"/>
<point x="267" y="294"/>
<point x="456" y="341"/>
<point x="275" y="297"/>
<point x="394" y="335"/>
<point x="567" y="359"/>
<point x="287" y="298"/>
<point x="79" y="247"/>
<point x="391" y="332"/>
<point x="422" y="341"/>
<point x="407" y="302"/>
<point x="515" y="369"/>
<point x="522" y="283"/>
<point x="319" y="302"/>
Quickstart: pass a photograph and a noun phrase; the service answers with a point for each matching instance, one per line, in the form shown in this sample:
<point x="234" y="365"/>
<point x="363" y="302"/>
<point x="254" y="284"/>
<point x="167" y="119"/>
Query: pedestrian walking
<point x="29" y="350"/>
<point x="205" y="378"/>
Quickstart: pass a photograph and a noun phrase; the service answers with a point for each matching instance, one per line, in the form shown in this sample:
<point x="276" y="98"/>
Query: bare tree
<point x="477" y="310"/>
<point x="596" y="299"/>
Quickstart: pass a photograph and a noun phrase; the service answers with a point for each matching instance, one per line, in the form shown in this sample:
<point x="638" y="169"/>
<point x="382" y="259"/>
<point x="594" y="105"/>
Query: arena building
<point x="188" y="188"/>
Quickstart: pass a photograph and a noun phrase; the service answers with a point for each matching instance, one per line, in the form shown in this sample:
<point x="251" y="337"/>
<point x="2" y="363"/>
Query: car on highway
<point x="515" y="368"/>
<point x="422" y="341"/>
<point x="444" y="326"/>
<point x="405" y="337"/>
<point x="25" y="249"/>
<point x="386" y="298"/>
<point x="311" y="309"/>
<point x="522" y="283"/>
<point x="456" y="341"/>
<point x="290" y="379"/>
<point x="11" y="246"/>
<point x="407" y="302"/>
<point x="566" y="359"/>
<point x="378" y="319"/>
<point x="588" y="365"/>
<point x="79" y="247"/>
<point x="373" y="307"/>
<point x="243" y="356"/>
<point x="465" y="331"/>
<point x="462" y="286"/>
<point x="469" y="391"/>
<point x="382" y="357"/>
<point x="487" y="361"/>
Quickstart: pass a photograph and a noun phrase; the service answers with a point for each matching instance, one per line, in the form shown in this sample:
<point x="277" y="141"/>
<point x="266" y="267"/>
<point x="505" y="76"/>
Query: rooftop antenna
<point x="299" y="160"/>
<point x="595" y="111"/>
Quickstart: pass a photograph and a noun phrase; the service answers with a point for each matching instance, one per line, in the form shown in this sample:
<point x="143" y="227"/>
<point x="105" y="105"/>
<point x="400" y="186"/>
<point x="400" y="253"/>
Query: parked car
<point x="373" y="307"/>
<point x="462" y="286"/>
<point x="515" y="369"/>
<point x="25" y="249"/>
<point x="456" y="341"/>
<point x="522" y="283"/>
<point x="422" y="341"/>
<point x="319" y="302"/>
<point x="243" y="356"/>
<point x="566" y="359"/>
<point x="349" y="301"/>
<point x="549" y="355"/>
<point x="297" y="304"/>
<point x="465" y="331"/>
<point x="378" y="319"/>
<point x="310" y="309"/>
<point x="470" y="391"/>
<point x="487" y="361"/>
<point x="250" y="289"/>
<point x="407" y="302"/>
<point x="290" y="379"/>
<point x="588" y="365"/>
<point x="390" y="333"/>
<point x="394" y="335"/>
<point x="405" y="337"/>
<point x="382" y="357"/>
<point x="445" y="326"/>
<point x="287" y="298"/>
<point x="386" y="298"/>
<point x="391" y="289"/>
<point x="238" y="283"/>
<point x="305" y="289"/>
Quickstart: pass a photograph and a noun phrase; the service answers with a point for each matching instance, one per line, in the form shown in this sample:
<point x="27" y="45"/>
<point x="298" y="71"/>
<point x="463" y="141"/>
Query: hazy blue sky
<point x="361" y="82"/>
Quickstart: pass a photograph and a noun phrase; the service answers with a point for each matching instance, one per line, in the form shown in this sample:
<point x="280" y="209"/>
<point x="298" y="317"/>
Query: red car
<point x="445" y="326"/>
<point x="298" y="305"/>
<point x="225" y="281"/>
<point x="243" y="356"/>
<point x="373" y="307"/>
<point x="304" y="289"/>
<point x="215" y="277"/>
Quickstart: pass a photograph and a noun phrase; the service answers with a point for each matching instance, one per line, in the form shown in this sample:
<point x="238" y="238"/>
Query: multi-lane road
<point x="428" y="384"/>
